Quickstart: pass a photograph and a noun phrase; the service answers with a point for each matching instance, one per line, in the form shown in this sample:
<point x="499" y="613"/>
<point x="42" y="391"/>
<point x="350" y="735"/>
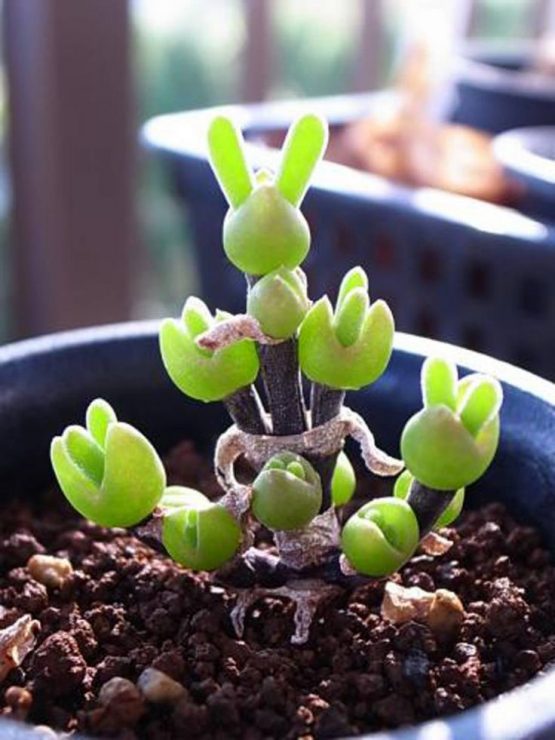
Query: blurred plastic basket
<point x="528" y="156"/>
<point x="497" y="91"/>
<point x="451" y="268"/>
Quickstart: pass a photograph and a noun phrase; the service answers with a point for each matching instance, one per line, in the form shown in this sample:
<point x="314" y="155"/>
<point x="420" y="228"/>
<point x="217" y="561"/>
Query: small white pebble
<point x="158" y="688"/>
<point x="52" y="572"/>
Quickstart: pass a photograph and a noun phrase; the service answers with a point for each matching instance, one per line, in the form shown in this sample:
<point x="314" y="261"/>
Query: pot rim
<point x="406" y="343"/>
<point x="513" y="149"/>
<point x="514" y="715"/>
<point x="475" y="66"/>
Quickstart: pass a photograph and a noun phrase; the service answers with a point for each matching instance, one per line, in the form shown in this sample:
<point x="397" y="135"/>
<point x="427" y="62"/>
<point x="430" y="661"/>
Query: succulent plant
<point x="343" y="482"/>
<point x="108" y="470"/>
<point x="264" y="229"/>
<point x="349" y="348"/>
<point x="287" y="492"/>
<point x="451" y="442"/>
<point x="111" y="473"/>
<point x="196" y="532"/>
<point x="380" y="537"/>
<point x="204" y="374"/>
<point x="279" y="302"/>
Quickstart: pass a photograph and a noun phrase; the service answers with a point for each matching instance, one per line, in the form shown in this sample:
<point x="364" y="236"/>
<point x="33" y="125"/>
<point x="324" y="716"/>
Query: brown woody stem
<point x="246" y="410"/>
<point x="325" y="404"/>
<point x="282" y="383"/>
<point x="428" y="504"/>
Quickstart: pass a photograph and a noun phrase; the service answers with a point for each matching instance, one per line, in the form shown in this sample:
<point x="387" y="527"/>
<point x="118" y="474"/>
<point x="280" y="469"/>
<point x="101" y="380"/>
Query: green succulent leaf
<point x="304" y="146"/>
<point x="200" y="373"/>
<point x="115" y="485"/>
<point x="451" y="442"/>
<point x="380" y="537"/>
<point x="350" y="316"/>
<point x="351" y="349"/>
<point x="480" y="403"/>
<point x="287" y="493"/>
<point x="175" y="497"/>
<point x="451" y="513"/>
<point x="355" y="278"/>
<point x="197" y="533"/>
<point x="227" y="157"/>
<point x="99" y="417"/>
<point x="439" y="383"/>
<point x="266" y="232"/>
<point x="279" y="302"/>
<point x="343" y="482"/>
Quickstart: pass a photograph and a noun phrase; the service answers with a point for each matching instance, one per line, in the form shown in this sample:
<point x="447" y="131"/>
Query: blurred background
<point x="95" y="228"/>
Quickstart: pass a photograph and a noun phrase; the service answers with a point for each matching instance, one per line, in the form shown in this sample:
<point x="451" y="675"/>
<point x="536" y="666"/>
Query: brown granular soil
<point x="126" y="608"/>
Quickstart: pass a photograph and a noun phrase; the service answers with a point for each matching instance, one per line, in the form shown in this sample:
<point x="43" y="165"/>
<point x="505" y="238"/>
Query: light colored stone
<point x="51" y="571"/>
<point x="402" y="604"/>
<point x="434" y="544"/>
<point x="157" y="687"/>
<point x="446" y="611"/>
<point x="16" y="642"/>
<point x="441" y="610"/>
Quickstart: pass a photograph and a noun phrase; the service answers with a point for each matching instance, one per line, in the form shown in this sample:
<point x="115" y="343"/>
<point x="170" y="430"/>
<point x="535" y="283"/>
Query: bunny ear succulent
<point x="452" y="440"/>
<point x="287" y="493"/>
<point x="196" y="532"/>
<point x="264" y="229"/>
<point x="279" y="302"/>
<point x="381" y="536"/>
<point x="203" y="374"/>
<point x="349" y="348"/>
<point x="108" y="470"/>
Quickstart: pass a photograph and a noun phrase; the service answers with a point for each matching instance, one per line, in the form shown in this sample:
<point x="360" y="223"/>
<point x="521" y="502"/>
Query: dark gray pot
<point x="47" y="383"/>
<point x="528" y="157"/>
<point x="495" y="95"/>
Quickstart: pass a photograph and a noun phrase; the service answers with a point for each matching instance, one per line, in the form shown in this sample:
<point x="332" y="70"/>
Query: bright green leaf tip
<point x="227" y="157"/>
<point x="480" y="403"/>
<point x="343" y="482"/>
<point x="303" y="148"/>
<point x="355" y="278"/>
<point x="350" y="316"/>
<point x="439" y="383"/>
<point x="98" y="417"/>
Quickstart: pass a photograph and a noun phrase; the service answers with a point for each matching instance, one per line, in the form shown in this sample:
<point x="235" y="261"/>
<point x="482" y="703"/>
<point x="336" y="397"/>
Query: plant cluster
<point x="302" y="477"/>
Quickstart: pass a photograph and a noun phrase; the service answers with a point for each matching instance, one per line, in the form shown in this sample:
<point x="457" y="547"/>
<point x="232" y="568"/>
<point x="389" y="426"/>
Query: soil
<point x="126" y="608"/>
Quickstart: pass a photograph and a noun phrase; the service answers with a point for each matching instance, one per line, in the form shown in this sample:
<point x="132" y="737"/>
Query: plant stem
<point x="263" y="569"/>
<point x="246" y="410"/>
<point x="282" y="383"/>
<point x="325" y="404"/>
<point x="428" y="504"/>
